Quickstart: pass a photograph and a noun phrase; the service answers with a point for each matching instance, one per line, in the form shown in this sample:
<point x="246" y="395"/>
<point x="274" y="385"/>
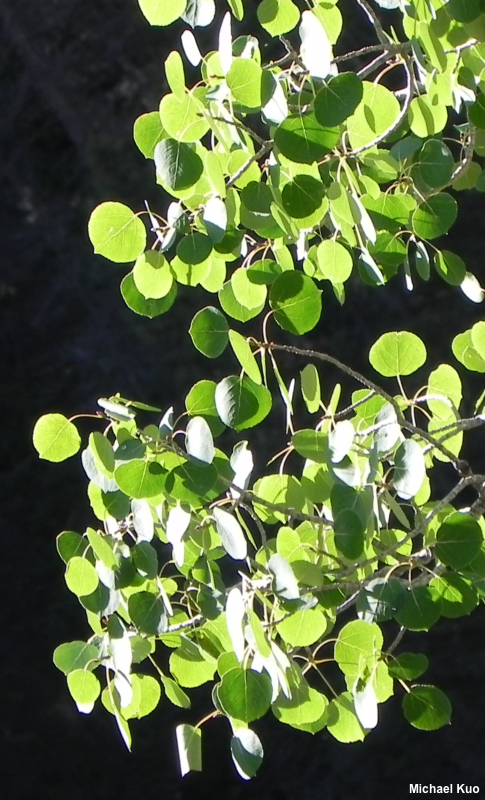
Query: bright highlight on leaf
<point x="55" y="437"/>
<point x="397" y="353"/>
<point x="116" y="232"/>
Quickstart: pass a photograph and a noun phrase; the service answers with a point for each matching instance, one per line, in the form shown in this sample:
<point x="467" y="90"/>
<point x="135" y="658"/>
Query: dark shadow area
<point x="74" y="76"/>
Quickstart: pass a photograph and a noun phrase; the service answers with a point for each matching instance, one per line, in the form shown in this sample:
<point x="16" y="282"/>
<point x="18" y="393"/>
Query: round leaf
<point x="152" y="276"/>
<point x="241" y="403"/>
<point x="303" y="627"/>
<point x="162" y="12"/>
<point x="245" y="695"/>
<point x="435" y="216"/>
<point x="302" y="196"/>
<point x="209" y="331"/>
<point x="140" y="479"/>
<point x="375" y="114"/>
<point x="74" y="656"/>
<point x="245" y="79"/>
<point x="296" y="301"/>
<point x="278" y="16"/>
<point x="55" y="438"/>
<point x="397" y="353"/>
<point x="116" y="232"/>
<point x="146" y="307"/>
<point x="84" y="687"/>
<point x="458" y="540"/>
<point x="336" y="101"/>
<point x="178" y="165"/>
<point x="427" y="708"/>
<point x="81" y="577"/>
<point x="301" y="138"/>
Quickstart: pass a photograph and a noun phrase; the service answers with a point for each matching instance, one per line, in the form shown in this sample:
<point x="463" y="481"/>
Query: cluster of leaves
<point x="285" y="179"/>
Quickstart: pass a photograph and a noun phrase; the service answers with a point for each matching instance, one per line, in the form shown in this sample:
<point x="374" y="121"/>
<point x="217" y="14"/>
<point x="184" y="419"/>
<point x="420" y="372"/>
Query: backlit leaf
<point x="55" y="437"/>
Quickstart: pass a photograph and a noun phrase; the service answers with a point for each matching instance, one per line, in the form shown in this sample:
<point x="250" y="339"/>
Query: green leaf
<point x="55" y="438"/>
<point x="146" y="696"/>
<point x="102" y="549"/>
<point x="458" y="596"/>
<point x="174" y="71"/>
<point x="407" y="666"/>
<point x="189" y="745"/>
<point x="231" y="533"/>
<point x="247" y="752"/>
<point x="450" y="267"/>
<point x="147" y="612"/>
<point x="84" y="688"/>
<point x="427" y="115"/>
<point x="458" y="540"/>
<point x="311" y="444"/>
<point x="435" y="216"/>
<point x="245" y="356"/>
<point x="178" y="165"/>
<point x="152" y="275"/>
<point x="237" y="8"/>
<point x="435" y="164"/>
<point x="245" y="80"/>
<point x="241" y="403"/>
<point x="233" y="307"/>
<point x="334" y="261"/>
<point x="148" y="132"/>
<point x="296" y="301"/>
<point x="426" y="708"/>
<point x="174" y="693"/>
<point x="302" y="139"/>
<point x="246" y="291"/>
<point x="358" y="647"/>
<point x="466" y="353"/>
<point x="200" y="401"/>
<point x="103" y="452"/>
<point x="70" y="544"/>
<point x="278" y="16"/>
<point x="182" y="118"/>
<point x="375" y="114"/>
<point x="476" y="112"/>
<point x="146" y="307"/>
<point x="81" y="577"/>
<point x="244" y="695"/>
<point x="342" y="721"/>
<point x="420" y="609"/>
<point x="336" y="101"/>
<point x="74" y="656"/>
<point x="116" y="232"/>
<point x="310" y="388"/>
<point x="191" y="482"/>
<point x="140" y="479"/>
<point x="303" y="627"/>
<point x="209" y="331"/>
<point x="162" y="12"/>
<point x="189" y="667"/>
<point x="302" y="196"/>
<point x="397" y="353"/>
<point x="305" y="706"/>
<point x="379" y="599"/>
<point x="146" y="560"/>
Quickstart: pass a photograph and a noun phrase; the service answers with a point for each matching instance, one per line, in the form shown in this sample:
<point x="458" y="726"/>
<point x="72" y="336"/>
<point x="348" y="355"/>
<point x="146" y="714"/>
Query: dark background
<point x="74" y="76"/>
